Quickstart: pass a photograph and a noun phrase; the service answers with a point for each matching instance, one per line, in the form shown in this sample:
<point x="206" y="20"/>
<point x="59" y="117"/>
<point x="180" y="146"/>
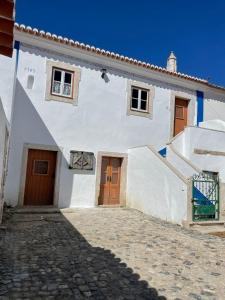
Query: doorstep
<point x="208" y="226"/>
<point x="36" y="210"/>
<point x="207" y="223"/>
<point x="111" y="206"/>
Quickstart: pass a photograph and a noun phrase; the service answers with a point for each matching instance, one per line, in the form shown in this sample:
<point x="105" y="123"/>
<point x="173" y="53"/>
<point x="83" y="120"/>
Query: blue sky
<point x="146" y="30"/>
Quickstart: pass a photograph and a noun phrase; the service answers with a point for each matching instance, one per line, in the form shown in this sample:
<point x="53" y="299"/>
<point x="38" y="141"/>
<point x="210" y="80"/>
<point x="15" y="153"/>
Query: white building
<point x="7" y="71"/>
<point x="87" y="125"/>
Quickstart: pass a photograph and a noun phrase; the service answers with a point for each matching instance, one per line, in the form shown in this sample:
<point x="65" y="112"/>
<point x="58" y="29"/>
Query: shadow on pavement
<point x="45" y="257"/>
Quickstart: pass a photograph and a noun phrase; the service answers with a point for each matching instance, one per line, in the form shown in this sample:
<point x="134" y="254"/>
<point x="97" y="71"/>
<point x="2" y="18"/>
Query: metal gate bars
<point x="205" y="197"/>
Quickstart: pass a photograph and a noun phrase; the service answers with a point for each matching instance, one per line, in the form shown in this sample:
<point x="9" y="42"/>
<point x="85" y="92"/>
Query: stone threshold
<point x="37" y="210"/>
<point x="207" y="223"/>
<point x="110" y="206"/>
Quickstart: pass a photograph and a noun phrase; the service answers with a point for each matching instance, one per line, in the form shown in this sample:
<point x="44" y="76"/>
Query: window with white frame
<point x="62" y="83"/>
<point x="139" y="99"/>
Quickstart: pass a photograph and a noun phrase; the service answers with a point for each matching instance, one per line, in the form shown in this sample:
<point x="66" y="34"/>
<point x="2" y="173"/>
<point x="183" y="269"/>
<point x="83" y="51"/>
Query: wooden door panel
<point x="115" y="180"/>
<point x="110" y="181"/>
<point x="180" y="115"/>
<point x="40" y="177"/>
<point x="104" y="185"/>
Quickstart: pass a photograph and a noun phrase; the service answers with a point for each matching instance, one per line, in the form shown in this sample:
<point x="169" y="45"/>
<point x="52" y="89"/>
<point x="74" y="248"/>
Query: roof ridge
<point x="103" y="52"/>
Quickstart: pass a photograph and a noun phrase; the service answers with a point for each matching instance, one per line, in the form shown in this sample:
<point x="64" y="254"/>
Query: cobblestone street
<point x="107" y="253"/>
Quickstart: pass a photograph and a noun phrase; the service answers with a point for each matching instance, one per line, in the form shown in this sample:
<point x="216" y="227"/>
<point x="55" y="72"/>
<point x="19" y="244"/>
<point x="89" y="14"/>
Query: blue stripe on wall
<point x="200" y="107"/>
<point x="17" y="47"/>
<point x="162" y="152"/>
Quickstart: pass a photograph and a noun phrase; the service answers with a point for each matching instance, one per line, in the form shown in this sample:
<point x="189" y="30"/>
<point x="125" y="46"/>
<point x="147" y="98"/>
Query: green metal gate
<point x="205" y="197"/>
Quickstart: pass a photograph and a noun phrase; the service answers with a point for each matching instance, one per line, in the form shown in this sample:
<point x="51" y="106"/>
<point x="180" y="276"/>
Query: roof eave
<point x="102" y="57"/>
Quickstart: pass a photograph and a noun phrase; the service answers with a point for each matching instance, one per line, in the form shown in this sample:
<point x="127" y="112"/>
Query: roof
<point x="112" y="55"/>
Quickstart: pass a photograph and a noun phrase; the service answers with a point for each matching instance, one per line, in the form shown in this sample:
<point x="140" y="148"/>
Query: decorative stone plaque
<point x="81" y="160"/>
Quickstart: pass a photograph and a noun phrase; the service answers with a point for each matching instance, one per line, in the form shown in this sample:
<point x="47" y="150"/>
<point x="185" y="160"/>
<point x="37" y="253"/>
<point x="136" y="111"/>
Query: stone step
<point x="207" y="223"/>
<point x="208" y="227"/>
<point x="36" y="210"/>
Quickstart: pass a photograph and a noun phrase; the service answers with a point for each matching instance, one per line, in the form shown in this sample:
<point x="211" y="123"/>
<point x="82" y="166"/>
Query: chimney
<point x="172" y="63"/>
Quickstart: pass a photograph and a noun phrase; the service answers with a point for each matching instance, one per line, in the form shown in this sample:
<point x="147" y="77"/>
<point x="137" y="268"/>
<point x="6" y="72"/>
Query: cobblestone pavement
<point x="107" y="253"/>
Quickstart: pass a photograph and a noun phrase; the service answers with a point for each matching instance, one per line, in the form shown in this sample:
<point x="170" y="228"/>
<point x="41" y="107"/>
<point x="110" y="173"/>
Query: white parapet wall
<point x="155" y="187"/>
<point x="182" y="164"/>
<point x="204" y="148"/>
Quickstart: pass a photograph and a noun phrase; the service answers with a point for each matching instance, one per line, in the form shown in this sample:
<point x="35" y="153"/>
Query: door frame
<point x="191" y="98"/>
<point x="123" y="175"/>
<point x="26" y="148"/>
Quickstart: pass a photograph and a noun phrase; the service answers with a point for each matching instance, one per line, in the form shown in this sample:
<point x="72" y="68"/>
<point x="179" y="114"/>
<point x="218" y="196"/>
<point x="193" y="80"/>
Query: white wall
<point x="99" y="122"/>
<point x="7" y="77"/>
<point x="214" y="106"/>
<point x="204" y="139"/>
<point x="154" y="188"/>
<point x="3" y="150"/>
<point x="179" y="142"/>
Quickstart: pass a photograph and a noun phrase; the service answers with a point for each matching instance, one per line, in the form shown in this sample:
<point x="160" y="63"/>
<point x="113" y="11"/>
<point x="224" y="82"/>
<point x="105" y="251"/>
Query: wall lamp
<point x="104" y="75"/>
<point x="104" y="71"/>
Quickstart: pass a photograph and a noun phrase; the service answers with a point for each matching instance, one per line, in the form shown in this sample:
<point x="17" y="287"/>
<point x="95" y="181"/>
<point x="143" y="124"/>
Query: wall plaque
<point x="80" y="160"/>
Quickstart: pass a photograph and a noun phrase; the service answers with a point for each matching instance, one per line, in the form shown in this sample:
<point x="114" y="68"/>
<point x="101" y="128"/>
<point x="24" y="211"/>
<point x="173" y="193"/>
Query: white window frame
<point x="62" y="82"/>
<point x="139" y="99"/>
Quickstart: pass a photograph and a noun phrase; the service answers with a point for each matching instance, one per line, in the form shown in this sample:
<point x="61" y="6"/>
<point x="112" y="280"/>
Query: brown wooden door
<point x="110" y="181"/>
<point x="40" y="177"/>
<point x="180" y="115"/>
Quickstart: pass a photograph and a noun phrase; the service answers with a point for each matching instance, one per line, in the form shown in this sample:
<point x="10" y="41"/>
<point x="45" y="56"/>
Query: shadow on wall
<point x="29" y="128"/>
<point x="59" y="262"/>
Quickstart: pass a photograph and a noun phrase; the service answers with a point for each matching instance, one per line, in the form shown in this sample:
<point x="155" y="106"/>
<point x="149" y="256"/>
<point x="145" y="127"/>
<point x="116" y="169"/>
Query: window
<point x="62" y="83"/>
<point x="40" y="167"/>
<point x="211" y="175"/>
<point x="139" y="99"/>
<point x="179" y="112"/>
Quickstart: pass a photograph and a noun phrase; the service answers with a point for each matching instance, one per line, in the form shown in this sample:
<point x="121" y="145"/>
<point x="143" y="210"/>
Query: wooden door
<point x="40" y="177"/>
<point x="180" y="115"/>
<point x="110" y="181"/>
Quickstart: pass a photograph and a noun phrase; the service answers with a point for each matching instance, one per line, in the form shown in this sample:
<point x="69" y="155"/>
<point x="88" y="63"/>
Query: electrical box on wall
<point x="81" y="160"/>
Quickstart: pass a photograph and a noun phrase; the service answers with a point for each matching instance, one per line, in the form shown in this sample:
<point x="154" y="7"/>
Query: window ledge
<point x="146" y="114"/>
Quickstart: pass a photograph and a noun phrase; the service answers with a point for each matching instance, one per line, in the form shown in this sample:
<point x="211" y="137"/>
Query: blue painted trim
<point x="200" y="107"/>
<point x="17" y="47"/>
<point x="162" y="152"/>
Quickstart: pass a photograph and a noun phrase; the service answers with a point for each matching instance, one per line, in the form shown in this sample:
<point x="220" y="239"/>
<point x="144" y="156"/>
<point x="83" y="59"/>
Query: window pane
<point x="143" y="105"/>
<point x="56" y="87"/>
<point x="134" y="103"/>
<point x="57" y="75"/>
<point x="68" y="77"/>
<point x="144" y="95"/>
<point x="66" y="89"/>
<point x="179" y="112"/>
<point x="134" y="93"/>
<point x="41" y="167"/>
